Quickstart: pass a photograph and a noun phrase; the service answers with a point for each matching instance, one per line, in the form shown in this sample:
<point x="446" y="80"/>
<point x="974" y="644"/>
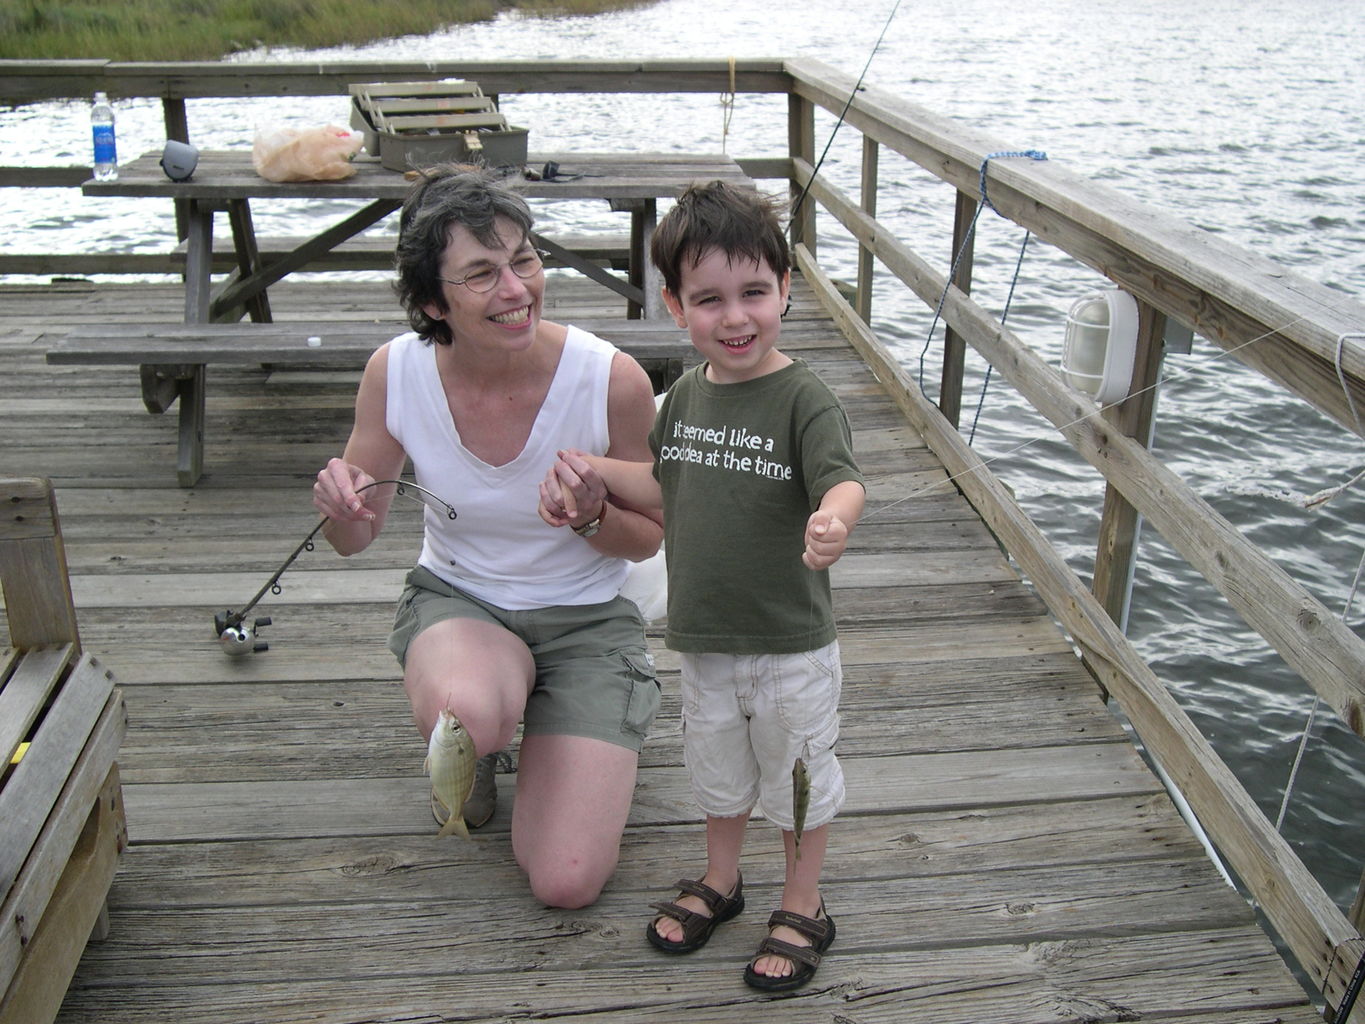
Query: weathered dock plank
<point x="918" y="844"/>
<point x="255" y="808"/>
<point x="1151" y="977"/>
<point x="270" y="730"/>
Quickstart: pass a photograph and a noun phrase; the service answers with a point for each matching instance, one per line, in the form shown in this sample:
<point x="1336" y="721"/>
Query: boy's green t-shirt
<point x="742" y="467"/>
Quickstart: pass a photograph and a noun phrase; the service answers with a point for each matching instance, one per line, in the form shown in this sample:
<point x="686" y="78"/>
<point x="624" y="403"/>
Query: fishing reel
<point x="235" y="637"/>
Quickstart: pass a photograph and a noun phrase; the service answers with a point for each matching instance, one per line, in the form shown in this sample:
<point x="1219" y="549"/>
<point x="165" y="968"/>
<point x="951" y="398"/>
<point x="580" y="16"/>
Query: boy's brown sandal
<point x="805" y="959"/>
<point x="697" y="928"/>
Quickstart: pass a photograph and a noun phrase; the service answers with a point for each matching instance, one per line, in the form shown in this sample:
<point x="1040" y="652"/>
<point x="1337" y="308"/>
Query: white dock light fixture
<point x="1101" y="345"/>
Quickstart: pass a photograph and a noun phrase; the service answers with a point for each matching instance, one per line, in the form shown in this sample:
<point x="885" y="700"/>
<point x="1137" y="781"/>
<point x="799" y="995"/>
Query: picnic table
<point x="173" y="360"/>
<point x="225" y="180"/>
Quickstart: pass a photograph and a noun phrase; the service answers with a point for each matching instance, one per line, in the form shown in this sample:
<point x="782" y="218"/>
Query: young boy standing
<point x="755" y="474"/>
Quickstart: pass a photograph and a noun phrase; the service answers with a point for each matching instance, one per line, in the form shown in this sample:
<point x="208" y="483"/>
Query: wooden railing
<point x="1301" y="341"/>
<point x="1226" y="294"/>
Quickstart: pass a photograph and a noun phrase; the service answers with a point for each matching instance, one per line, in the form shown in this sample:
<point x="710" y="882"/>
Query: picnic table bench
<point x="61" y="724"/>
<point x="173" y="358"/>
<point x="371" y="252"/>
<point x="363" y="252"/>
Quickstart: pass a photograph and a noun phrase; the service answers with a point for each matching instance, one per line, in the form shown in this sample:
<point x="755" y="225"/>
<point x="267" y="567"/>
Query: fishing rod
<point x="229" y="627"/>
<point x="857" y="87"/>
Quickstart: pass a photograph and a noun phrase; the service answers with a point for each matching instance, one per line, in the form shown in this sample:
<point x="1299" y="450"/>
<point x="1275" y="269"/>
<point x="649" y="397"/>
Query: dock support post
<point x="954" y="347"/>
<point x="801" y="145"/>
<point x="871" y="153"/>
<point x="1120" y="523"/>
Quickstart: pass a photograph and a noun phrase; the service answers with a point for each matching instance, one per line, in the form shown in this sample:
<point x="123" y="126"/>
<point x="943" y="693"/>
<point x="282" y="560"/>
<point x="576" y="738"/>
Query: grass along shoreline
<point x="210" y="29"/>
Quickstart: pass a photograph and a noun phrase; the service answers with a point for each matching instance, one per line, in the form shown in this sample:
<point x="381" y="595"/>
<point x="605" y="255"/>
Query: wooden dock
<point x="1005" y="854"/>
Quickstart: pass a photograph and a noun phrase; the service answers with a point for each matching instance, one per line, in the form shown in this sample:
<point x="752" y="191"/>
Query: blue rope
<point x="1032" y="154"/>
<point x="1009" y="299"/>
<point x="952" y="273"/>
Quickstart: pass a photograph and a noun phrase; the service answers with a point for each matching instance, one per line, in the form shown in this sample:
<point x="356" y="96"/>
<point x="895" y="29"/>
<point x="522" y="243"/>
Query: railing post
<point x="954" y="348"/>
<point x="1120" y="523"/>
<point x="801" y="144"/>
<point x="871" y="152"/>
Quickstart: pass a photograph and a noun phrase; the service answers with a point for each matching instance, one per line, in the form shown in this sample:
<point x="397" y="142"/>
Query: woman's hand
<point x="335" y="492"/>
<point x="572" y="492"/>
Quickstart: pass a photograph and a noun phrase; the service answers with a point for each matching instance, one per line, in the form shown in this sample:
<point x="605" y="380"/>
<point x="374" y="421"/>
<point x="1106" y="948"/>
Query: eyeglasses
<point x="524" y="265"/>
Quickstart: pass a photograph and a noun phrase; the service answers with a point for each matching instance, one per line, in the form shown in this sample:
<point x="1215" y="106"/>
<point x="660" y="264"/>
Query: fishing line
<point x="1081" y="419"/>
<point x="1313" y="711"/>
<point x="1341" y="377"/>
<point x="948" y="284"/>
<point x="801" y="198"/>
<point x="1324" y="496"/>
<point x="1319" y="499"/>
<point x="1164" y="378"/>
<point x="805" y="190"/>
<point x="236" y="638"/>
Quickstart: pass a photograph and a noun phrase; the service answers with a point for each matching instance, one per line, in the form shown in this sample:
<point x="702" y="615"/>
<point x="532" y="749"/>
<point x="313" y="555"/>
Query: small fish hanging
<point x="800" y="802"/>
<point x="450" y="763"/>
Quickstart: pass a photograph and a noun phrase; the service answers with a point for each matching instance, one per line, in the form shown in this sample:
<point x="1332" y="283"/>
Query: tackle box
<point x="417" y="124"/>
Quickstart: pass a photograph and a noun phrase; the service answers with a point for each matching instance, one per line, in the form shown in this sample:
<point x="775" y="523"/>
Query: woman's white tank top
<point x="498" y="548"/>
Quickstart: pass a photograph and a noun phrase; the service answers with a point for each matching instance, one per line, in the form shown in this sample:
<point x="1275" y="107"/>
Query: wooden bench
<point x="363" y="252"/>
<point x="375" y="252"/>
<point x="61" y="723"/>
<point x="173" y="358"/>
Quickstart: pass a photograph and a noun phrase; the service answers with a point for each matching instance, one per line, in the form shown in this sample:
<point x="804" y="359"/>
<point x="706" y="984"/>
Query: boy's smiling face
<point x="732" y="309"/>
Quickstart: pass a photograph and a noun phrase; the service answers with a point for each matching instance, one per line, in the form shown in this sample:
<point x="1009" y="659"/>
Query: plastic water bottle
<point x="102" y="127"/>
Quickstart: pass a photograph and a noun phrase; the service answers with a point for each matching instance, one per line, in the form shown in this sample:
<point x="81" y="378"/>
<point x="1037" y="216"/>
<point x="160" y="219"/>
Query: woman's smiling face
<point x="507" y="314"/>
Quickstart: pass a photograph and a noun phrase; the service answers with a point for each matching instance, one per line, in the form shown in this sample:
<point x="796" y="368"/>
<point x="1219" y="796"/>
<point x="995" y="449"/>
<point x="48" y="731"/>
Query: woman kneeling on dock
<point x="505" y="619"/>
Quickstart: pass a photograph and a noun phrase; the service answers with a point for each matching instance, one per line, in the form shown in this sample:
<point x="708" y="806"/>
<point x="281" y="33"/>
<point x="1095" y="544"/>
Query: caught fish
<point x="450" y="763"/>
<point x="800" y="802"/>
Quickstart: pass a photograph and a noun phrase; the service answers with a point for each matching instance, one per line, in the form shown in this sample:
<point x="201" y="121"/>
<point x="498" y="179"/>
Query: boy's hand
<point x="826" y="536"/>
<point x="572" y="492"/>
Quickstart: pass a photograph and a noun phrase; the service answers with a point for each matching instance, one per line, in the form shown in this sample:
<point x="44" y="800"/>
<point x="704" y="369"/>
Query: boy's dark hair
<point x="718" y="215"/>
<point x="440" y="198"/>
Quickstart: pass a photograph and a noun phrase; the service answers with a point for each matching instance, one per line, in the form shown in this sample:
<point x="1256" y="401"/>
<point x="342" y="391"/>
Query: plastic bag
<point x="305" y="154"/>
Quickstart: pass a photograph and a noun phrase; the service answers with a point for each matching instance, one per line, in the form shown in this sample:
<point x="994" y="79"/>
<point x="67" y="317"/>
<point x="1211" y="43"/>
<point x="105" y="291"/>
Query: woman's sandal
<point x="805" y="959"/>
<point x="697" y="928"/>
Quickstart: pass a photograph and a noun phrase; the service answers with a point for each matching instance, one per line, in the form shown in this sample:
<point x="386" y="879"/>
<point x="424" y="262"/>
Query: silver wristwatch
<point x="590" y="528"/>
